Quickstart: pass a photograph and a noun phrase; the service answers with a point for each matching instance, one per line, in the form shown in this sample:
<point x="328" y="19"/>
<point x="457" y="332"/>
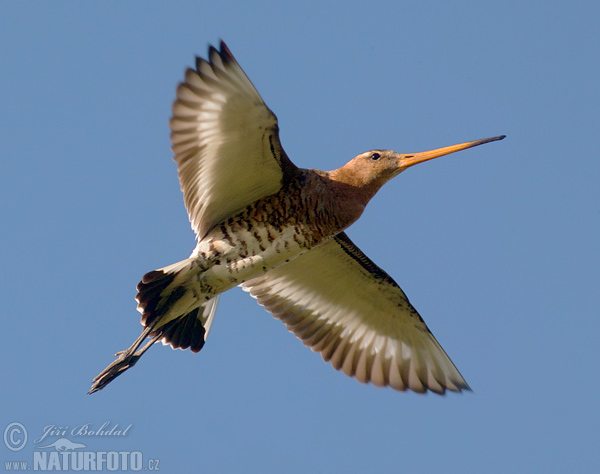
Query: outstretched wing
<point x="339" y="303"/>
<point x="225" y="140"/>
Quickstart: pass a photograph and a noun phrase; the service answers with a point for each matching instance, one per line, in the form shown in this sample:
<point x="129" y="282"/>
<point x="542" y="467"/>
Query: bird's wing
<point x="339" y="303"/>
<point x="225" y="140"/>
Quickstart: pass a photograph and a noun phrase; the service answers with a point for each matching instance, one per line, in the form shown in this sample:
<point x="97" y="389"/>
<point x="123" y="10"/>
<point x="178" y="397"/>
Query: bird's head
<point x="372" y="169"/>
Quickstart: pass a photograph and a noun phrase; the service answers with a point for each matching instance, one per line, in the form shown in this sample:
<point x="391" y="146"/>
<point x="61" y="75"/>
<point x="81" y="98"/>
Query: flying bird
<point x="277" y="230"/>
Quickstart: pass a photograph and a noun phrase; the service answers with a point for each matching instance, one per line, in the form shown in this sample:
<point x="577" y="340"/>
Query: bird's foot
<point x="125" y="360"/>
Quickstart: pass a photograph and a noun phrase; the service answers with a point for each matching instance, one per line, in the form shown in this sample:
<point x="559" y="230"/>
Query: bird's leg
<point x="126" y="359"/>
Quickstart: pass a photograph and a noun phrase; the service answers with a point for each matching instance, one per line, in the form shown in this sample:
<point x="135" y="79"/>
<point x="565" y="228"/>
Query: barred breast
<point x="267" y="234"/>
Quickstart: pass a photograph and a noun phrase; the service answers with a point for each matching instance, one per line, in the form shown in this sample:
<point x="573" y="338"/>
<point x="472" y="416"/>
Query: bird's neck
<point x="342" y="199"/>
<point x="353" y="183"/>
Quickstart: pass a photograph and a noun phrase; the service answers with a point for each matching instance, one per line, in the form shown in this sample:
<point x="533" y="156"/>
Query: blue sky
<point x="497" y="246"/>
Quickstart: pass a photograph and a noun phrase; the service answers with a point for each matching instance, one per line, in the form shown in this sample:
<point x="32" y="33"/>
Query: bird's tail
<point x="173" y="311"/>
<point x="173" y="308"/>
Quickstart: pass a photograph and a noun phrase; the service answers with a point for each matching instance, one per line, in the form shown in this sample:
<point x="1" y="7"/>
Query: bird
<point x="278" y="231"/>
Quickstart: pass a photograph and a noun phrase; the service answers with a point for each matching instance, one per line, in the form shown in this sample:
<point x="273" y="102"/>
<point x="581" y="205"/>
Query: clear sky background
<point x="497" y="247"/>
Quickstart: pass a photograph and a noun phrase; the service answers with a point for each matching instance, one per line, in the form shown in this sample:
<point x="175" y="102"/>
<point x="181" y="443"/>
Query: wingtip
<point x="224" y="48"/>
<point x="212" y="51"/>
<point x="199" y="62"/>
<point x="460" y="386"/>
<point x="225" y="53"/>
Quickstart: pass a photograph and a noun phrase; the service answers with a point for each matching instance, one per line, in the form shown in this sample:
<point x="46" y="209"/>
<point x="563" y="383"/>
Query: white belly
<point x="227" y="259"/>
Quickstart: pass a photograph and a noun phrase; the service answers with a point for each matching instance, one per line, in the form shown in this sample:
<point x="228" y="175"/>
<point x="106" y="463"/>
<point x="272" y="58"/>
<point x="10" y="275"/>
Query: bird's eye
<point x="375" y="156"/>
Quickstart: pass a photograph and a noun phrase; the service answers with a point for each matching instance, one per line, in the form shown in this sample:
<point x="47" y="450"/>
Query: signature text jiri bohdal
<point x="86" y="429"/>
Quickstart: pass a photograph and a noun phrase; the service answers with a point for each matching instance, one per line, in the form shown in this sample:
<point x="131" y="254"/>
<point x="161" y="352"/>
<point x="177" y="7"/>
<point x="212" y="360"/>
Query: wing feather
<point x="339" y="303"/>
<point x="225" y="140"/>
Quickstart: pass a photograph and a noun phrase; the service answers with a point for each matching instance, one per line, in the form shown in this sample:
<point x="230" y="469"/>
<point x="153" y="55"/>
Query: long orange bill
<point x="415" y="158"/>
